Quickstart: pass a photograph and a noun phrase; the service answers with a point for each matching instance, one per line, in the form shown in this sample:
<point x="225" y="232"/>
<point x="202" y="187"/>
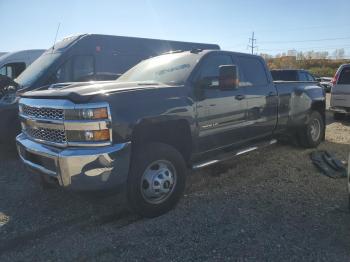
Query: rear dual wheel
<point x="312" y="134"/>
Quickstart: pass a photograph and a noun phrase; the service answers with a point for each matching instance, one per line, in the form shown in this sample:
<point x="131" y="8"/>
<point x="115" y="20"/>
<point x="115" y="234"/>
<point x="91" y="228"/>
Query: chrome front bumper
<point x="80" y="169"/>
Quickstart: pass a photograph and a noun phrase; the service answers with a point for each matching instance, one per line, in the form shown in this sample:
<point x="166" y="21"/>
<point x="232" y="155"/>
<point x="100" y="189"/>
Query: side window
<point x="74" y="70"/>
<point x="83" y="66"/>
<point x="253" y="72"/>
<point x="3" y="71"/>
<point x="64" y="73"/>
<point x="310" y="78"/>
<point x="13" y="70"/>
<point x="209" y="72"/>
<point x="303" y="76"/>
<point x="344" y="78"/>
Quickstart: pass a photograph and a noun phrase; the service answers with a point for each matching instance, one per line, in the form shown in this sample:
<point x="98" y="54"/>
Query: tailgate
<point x="340" y="96"/>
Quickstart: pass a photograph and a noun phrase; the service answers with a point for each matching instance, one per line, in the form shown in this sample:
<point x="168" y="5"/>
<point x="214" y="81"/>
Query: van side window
<point x="209" y="71"/>
<point x="82" y="66"/>
<point x="253" y="72"/>
<point x="63" y="74"/>
<point x="344" y="78"/>
<point x="13" y="70"/>
<point x="75" y="69"/>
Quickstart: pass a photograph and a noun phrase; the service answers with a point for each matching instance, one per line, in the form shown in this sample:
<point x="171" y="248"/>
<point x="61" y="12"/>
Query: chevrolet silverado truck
<point x="163" y="117"/>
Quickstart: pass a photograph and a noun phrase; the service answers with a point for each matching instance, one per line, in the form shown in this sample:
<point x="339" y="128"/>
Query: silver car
<point x="340" y="94"/>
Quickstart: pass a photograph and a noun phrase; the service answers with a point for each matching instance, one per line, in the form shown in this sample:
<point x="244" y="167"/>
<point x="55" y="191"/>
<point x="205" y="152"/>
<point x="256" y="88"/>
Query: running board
<point x="232" y="154"/>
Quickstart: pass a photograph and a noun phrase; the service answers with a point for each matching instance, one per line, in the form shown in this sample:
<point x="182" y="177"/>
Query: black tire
<point x="306" y="137"/>
<point x="338" y="116"/>
<point x="142" y="160"/>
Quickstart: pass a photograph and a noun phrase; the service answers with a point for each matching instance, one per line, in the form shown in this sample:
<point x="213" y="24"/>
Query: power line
<point x="304" y="28"/>
<point x="299" y="41"/>
<point x="252" y="42"/>
<point x="303" y="41"/>
<point x="308" y="48"/>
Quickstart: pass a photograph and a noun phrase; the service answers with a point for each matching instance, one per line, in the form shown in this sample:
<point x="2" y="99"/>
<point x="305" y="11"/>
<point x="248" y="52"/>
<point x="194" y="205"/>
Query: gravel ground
<point x="280" y="208"/>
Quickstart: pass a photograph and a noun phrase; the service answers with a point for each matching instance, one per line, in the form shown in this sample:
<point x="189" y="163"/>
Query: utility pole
<point x="252" y="43"/>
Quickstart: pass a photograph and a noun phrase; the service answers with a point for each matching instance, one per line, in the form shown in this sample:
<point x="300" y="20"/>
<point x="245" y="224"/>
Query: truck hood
<point x="82" y="93"/>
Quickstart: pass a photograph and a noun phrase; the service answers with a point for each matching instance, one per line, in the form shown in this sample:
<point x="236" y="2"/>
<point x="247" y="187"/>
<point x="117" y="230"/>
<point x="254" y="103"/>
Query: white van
<point x="14" y="63"/>
<point x="340" y="95"/>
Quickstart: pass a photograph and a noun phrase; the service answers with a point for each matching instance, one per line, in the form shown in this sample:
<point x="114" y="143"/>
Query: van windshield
<point x="36" y="69"/>
<point x="169" y="69"/>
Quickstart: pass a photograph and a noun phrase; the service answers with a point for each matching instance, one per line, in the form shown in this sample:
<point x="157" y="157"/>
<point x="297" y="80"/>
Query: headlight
<point x="87" y="114"/>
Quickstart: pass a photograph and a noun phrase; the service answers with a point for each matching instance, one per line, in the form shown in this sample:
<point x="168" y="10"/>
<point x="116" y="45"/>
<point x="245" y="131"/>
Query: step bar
<point x="232" y="154"/>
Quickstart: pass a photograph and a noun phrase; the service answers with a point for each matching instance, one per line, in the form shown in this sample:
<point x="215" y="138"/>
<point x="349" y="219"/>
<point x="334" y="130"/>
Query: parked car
<point x="340" y="94"/>
<point x="14" y="63"/>
<point x="167" y="114"/>
<point x="82" y="58"/>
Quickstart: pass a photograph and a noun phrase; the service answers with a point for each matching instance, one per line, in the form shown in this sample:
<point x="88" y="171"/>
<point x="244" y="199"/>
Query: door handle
<point x="239" y="97"/>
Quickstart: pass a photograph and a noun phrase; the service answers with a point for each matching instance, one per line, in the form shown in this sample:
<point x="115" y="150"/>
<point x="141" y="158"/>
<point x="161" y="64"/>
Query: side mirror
<point x="228" y="77"/>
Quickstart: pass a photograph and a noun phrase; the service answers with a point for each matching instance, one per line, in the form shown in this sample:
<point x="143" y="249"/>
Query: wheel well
<point x="174" y="133"/>
<point x="320" y="106"/>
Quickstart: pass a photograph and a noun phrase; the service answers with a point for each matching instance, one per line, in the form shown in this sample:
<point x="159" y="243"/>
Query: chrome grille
<point x="43" y="112"/>
<point x="47" y="134"/>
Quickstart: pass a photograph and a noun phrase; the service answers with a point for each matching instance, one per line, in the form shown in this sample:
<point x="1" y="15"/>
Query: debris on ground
<point x="328" y="164"/>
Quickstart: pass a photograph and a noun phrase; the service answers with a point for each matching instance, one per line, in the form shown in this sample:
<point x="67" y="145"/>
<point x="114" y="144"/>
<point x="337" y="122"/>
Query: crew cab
<point x="168" y="114"/>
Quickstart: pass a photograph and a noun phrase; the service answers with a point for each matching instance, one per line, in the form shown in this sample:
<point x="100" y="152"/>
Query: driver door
<point x="220" y="113"/>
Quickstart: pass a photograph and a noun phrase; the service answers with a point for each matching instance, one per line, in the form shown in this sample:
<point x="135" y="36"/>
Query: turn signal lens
<point x="94" y="113"/>
<point x="100" y="135"/>
<point x="100" y="113"/>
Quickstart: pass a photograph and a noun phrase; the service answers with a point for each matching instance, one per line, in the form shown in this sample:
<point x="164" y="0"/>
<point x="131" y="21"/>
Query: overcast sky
<point x="278" y="25"/>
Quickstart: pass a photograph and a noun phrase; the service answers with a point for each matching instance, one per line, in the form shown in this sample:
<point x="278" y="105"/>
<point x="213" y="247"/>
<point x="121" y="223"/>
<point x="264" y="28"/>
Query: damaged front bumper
<point x="80" y="169"/>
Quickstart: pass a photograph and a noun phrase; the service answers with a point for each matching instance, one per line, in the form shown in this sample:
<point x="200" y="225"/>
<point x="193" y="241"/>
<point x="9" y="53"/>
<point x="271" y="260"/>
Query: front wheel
<point x="157" y="179"/>
<point x="312" y="133"/>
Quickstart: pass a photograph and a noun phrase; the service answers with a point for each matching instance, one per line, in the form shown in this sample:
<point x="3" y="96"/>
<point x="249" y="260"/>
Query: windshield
<point x="36" y="69"/>
<point x="169" y="69"/>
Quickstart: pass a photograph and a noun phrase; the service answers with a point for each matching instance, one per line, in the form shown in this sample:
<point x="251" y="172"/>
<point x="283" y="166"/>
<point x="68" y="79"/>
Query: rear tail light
<point x="335" y="78"/>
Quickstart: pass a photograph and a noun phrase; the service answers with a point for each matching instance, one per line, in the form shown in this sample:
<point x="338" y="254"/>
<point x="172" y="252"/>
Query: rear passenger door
<point x="260" y="97"/>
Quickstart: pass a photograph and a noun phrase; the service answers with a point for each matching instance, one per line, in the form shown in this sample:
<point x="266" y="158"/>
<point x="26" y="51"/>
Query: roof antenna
<point x="58" y="28"/>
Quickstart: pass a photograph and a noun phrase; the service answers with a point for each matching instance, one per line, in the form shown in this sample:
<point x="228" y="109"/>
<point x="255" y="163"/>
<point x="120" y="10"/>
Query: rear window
<point x="284" y="75"/>
<point x="344" y="78"/>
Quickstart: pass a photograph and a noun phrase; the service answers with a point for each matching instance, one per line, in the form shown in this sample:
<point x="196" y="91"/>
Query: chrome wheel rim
<point x="158" y="181"/>
<point x="315" y="129"/>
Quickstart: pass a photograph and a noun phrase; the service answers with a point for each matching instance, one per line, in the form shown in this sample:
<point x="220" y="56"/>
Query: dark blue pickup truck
<point x="167" y="114"/>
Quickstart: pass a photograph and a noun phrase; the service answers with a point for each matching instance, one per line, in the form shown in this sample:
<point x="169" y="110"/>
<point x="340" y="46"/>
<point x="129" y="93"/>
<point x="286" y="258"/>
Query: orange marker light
<point x="101" y="135"/>
<point x="100" y="113"/>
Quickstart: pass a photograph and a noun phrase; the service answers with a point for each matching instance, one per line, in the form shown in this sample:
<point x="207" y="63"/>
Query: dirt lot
<point x="279" y="208"/>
